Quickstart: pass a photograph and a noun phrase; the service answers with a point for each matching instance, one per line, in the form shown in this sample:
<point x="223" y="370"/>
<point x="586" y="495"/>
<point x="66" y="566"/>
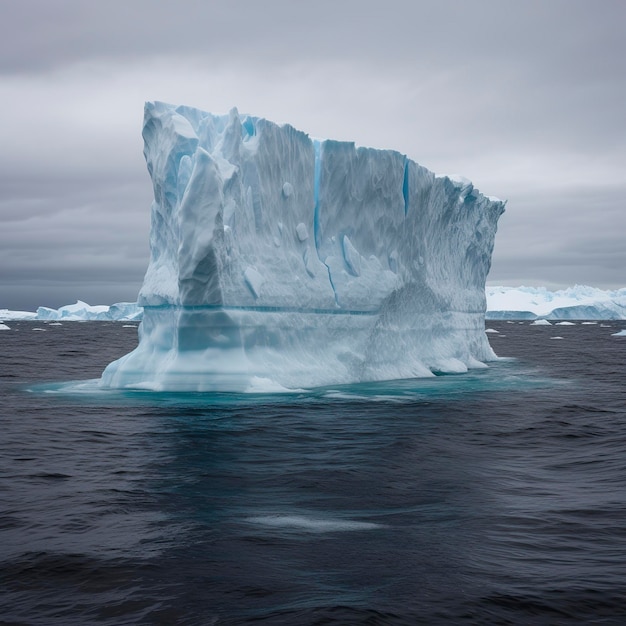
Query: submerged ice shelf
<point x="279" y="261"/>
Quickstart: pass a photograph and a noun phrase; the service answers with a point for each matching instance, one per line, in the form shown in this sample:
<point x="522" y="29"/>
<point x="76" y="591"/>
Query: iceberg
<point x="79" y="312"/>
<point x="279" y="261"/>
<point x="10" y="315"/>
<point x="579" y="302"/>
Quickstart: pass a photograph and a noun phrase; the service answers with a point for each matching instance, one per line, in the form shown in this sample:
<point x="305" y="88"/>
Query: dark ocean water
<point x="495" y="497"/>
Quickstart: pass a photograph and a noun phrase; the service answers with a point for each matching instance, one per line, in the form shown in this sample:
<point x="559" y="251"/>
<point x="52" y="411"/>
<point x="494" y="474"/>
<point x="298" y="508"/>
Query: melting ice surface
<point x="505" y="375"/>
<point x="280" y="262"/>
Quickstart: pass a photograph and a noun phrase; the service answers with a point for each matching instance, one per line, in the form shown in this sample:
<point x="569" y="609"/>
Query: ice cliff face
<point x="280" y="260"/>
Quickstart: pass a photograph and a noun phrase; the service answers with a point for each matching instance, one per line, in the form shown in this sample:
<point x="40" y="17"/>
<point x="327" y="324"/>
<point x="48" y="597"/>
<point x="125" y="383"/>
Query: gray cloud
<point x="526" y="99"/>
<point x="38" y="35"/>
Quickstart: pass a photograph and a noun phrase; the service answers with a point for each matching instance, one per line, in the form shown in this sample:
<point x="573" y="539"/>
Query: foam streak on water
<point x="495" y="496"/>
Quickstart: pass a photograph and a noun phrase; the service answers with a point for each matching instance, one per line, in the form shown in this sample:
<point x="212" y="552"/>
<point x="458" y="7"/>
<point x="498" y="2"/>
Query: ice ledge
<point x="212" y="349"/>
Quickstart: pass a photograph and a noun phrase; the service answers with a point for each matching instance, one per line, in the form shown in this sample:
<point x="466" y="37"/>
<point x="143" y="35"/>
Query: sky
<point x="526" y="99"/>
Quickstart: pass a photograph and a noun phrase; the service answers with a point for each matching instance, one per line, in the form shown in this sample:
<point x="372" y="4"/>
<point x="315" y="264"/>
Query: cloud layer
<point x="526" y="99"/>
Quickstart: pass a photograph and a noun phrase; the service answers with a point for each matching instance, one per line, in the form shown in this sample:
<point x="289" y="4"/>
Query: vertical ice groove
<point x="405" y="186"/>
<point x="316" y="215"/>
<point x="316" y="194"/>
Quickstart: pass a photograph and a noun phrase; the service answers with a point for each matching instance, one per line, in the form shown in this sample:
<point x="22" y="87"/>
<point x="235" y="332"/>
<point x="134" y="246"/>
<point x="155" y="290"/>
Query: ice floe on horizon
<point x="580" y="302"/>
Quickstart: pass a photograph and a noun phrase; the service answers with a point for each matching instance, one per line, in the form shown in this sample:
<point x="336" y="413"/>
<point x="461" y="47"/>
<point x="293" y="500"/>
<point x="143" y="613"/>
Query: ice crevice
<point x="317" y="146"/>
<point x="405" y="186"/>
<point x="390" y="284"/>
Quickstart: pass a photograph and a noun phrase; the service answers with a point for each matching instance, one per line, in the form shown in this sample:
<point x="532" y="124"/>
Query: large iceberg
<point x="280" y="261"/>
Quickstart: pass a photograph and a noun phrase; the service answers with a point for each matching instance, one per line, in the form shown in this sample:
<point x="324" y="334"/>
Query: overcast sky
<point x="525" y="98"/>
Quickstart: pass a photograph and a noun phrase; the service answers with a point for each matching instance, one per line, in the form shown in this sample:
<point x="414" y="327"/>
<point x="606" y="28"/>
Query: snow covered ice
<point x="280" y="262"/>
<point x="580" y="302"/>
<point x="81" y="311"/>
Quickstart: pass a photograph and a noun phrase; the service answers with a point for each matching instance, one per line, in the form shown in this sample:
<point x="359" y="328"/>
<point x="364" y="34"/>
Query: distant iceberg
<point x="7" y="315"/>
<point x="280" y="261"/>
<point x="575" y="303"/>
<point x="79" y="311"/>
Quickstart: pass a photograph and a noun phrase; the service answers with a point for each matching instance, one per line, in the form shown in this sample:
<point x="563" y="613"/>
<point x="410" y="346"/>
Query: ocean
<point x="493" y="497"/>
